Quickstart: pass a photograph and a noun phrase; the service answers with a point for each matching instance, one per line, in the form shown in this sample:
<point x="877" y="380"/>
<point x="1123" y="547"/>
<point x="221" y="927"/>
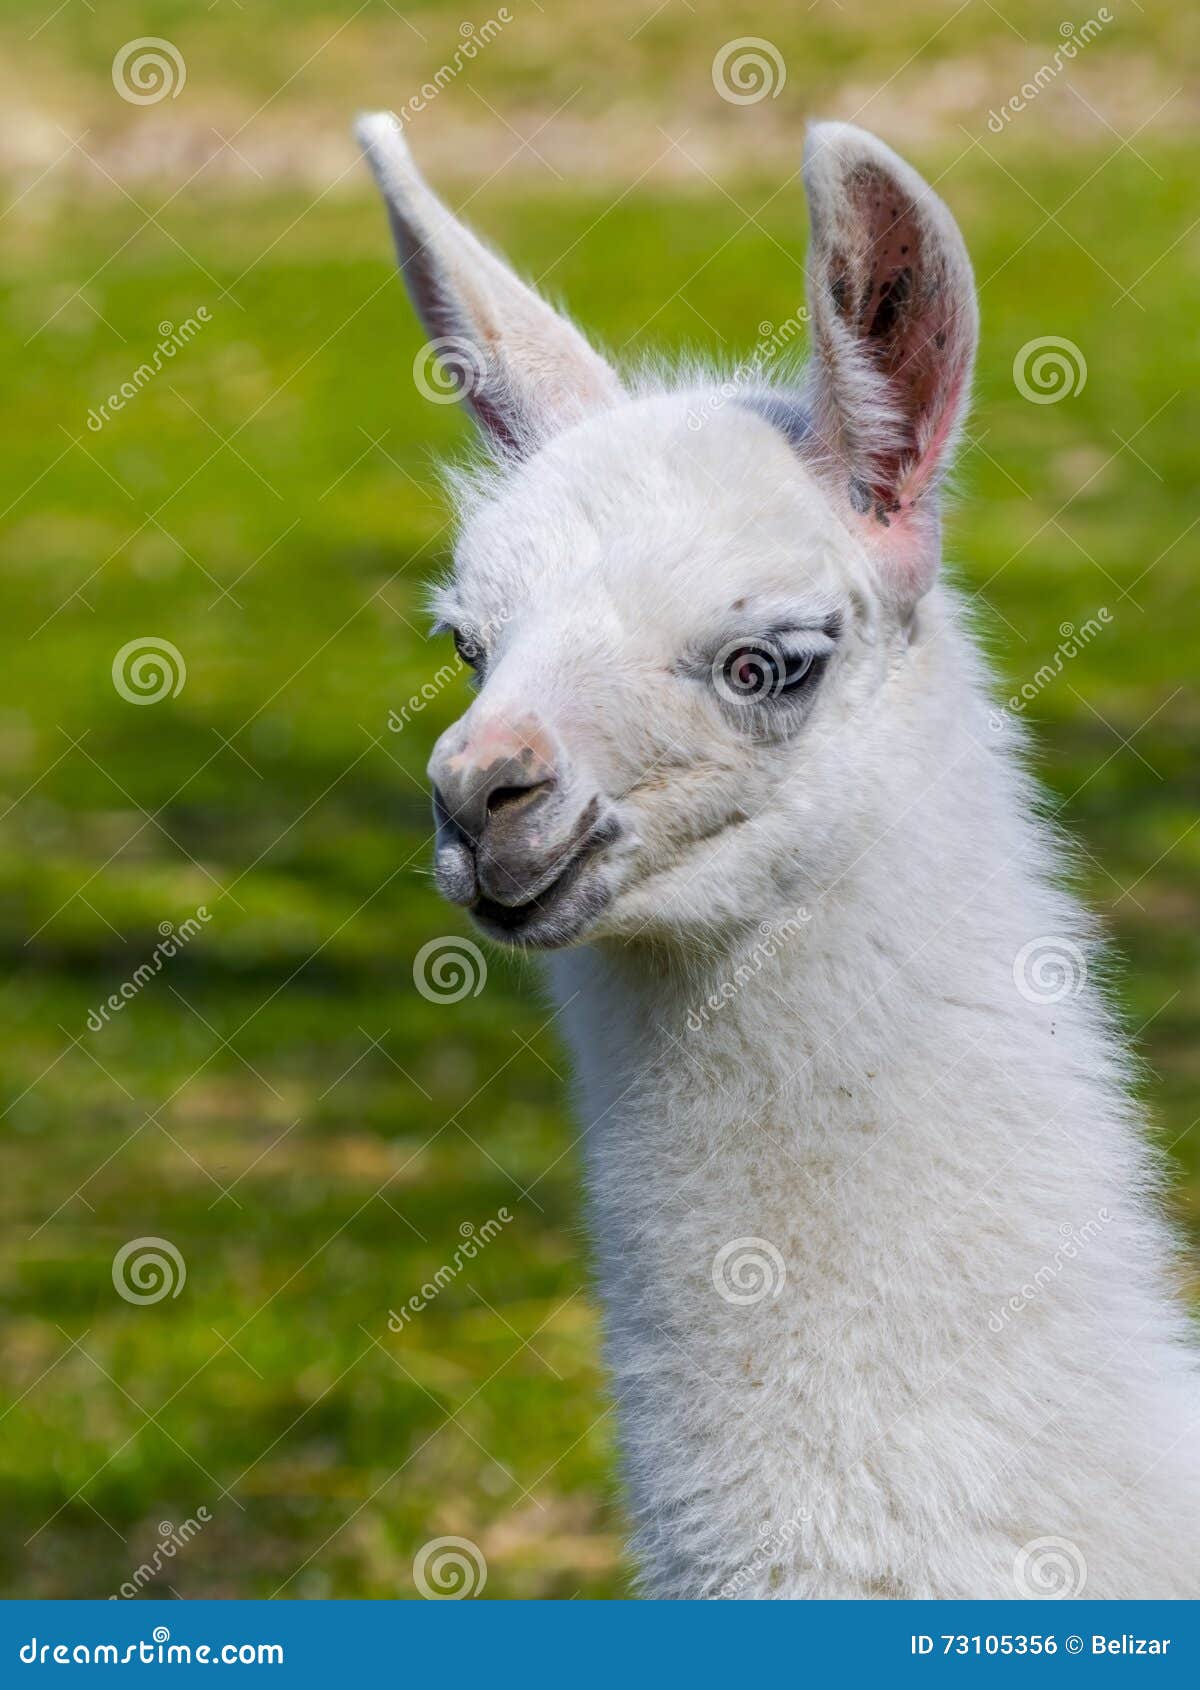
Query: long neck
<point x="821" y="1166"/>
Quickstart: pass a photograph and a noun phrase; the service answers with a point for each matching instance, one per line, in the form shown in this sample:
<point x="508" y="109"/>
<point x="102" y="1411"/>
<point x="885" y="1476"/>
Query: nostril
<point x="507" y="797"/>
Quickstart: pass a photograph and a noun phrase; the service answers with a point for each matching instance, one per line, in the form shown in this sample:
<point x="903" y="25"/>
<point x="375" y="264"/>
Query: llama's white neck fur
<point x="974" y="1347"/>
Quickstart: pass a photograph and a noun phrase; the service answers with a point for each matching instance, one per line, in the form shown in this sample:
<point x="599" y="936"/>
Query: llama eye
<point x="470" y="653"/>
<point x="764" y="671"/>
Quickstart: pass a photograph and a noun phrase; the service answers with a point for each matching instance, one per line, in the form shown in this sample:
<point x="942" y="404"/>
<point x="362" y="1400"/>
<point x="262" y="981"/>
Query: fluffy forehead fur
<point x="638" y="521"/>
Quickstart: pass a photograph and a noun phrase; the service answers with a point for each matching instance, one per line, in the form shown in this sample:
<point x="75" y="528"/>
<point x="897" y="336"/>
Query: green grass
<point x="280" y="1102"/>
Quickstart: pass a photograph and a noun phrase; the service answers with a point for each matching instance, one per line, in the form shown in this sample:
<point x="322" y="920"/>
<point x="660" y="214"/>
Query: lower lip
<point x="523" y="921"/>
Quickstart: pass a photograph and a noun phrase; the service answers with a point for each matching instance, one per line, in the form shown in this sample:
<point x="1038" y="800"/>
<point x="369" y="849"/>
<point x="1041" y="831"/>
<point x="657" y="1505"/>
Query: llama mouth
<point x="560" y="912"/>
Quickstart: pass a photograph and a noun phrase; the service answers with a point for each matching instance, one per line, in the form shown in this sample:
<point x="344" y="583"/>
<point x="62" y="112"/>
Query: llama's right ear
<point x="524" y="370"/>
<point x="894" y="326"/>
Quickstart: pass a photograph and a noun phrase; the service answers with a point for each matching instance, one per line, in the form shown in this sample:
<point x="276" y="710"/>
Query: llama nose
<point x="491" y="795"/>
<point x="488" y="779"/>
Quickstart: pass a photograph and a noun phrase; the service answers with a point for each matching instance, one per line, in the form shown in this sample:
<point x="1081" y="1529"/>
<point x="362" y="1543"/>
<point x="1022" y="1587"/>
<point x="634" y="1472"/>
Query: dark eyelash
<point x="815" y="662"/>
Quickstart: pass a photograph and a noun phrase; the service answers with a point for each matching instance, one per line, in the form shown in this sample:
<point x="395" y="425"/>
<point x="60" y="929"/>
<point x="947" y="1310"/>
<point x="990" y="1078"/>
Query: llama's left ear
<point x="894" y="327"/>
<point x="523" y="370"/>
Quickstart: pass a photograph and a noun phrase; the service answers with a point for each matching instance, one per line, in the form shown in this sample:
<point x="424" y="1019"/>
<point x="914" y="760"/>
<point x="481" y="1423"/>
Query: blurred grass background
<point x="280" y="1102"/>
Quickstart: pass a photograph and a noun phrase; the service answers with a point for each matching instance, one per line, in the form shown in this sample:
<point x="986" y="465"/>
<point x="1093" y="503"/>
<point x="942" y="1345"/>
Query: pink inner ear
<point x="895" y="297"/>
<point x="931" y="448"/>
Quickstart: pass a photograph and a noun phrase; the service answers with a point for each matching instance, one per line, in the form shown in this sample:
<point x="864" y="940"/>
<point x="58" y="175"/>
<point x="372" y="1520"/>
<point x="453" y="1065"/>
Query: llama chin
<point x="889" y="1300"/>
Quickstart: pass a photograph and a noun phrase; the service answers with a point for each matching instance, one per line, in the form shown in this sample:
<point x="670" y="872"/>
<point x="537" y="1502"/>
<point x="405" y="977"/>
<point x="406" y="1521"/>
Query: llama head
<point x="690" y="608"/>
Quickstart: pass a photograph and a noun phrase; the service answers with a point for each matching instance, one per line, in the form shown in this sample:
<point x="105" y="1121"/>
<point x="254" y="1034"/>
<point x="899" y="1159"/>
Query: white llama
<point x="888" y="1297"/>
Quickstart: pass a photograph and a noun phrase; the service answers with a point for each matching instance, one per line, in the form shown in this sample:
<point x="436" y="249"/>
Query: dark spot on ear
<point x="892" y="297"/>
<point x="860" y="495"/>
<point x="881" y="515"/>
<point x="939" y="339"/>
<point x="738" y="604"/>
<point x="904" y="252"/>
